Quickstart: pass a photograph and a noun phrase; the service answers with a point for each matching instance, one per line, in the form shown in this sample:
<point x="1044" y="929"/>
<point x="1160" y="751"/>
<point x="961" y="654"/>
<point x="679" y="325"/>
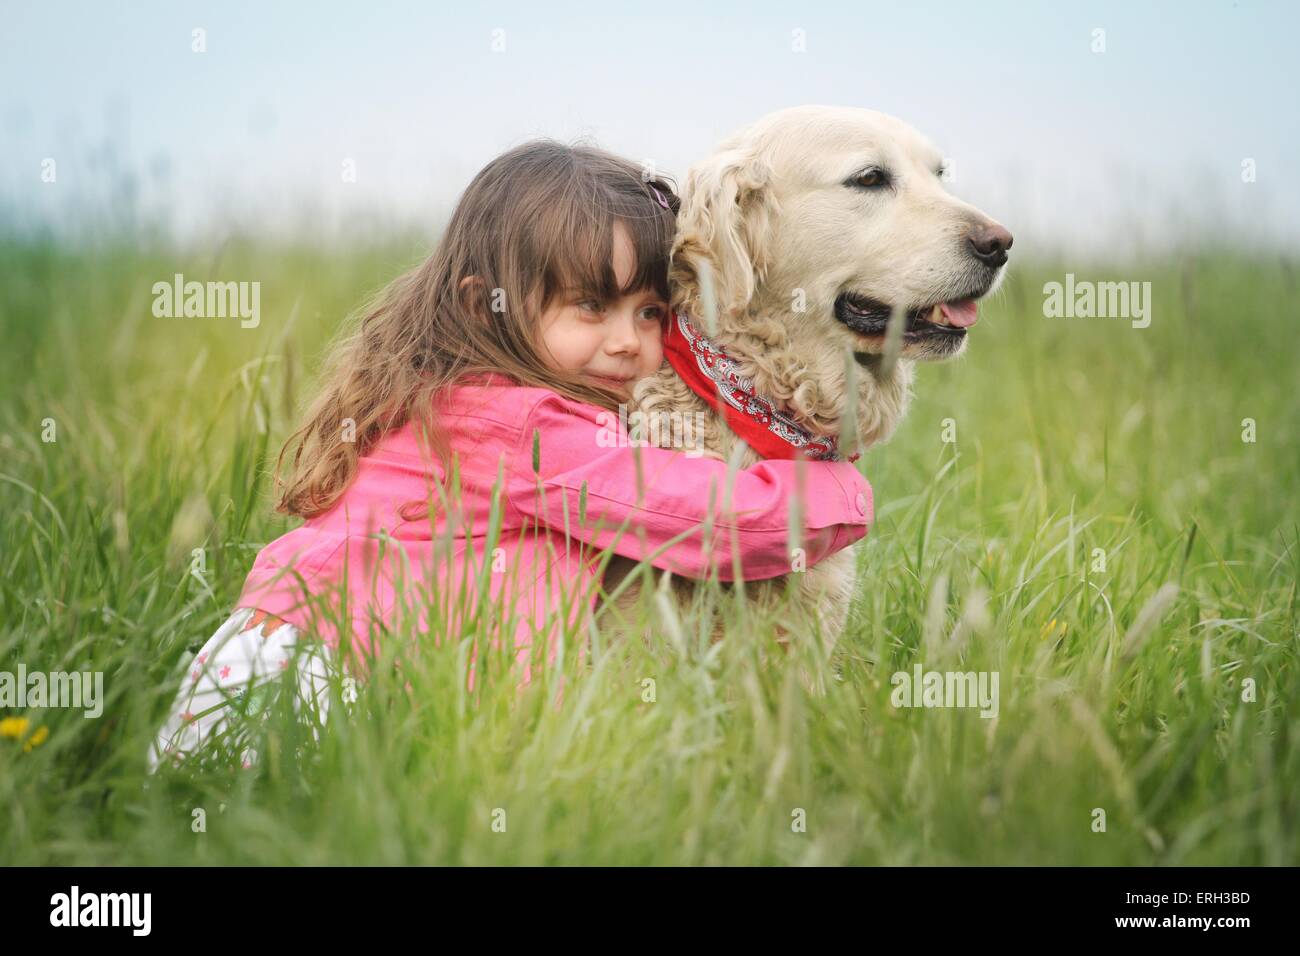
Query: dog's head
<point x="835" y="216"/>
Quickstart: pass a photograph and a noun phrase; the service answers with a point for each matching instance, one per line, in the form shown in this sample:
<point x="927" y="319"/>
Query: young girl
<point x="464" y="424"/>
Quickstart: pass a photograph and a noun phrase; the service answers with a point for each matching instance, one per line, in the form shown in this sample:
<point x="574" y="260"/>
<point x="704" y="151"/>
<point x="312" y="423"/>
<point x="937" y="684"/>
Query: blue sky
<point x="1069" y="147"/>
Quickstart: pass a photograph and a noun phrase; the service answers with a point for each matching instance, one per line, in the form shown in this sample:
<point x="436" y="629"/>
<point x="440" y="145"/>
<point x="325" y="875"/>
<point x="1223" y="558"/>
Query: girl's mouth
<point x="610" y="380"/>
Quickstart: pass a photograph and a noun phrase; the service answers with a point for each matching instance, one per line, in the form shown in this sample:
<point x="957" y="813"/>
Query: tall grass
<point x="1098" y="534"/>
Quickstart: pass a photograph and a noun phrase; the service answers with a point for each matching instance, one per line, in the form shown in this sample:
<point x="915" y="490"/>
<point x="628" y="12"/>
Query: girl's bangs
<point x="582" y="254"/>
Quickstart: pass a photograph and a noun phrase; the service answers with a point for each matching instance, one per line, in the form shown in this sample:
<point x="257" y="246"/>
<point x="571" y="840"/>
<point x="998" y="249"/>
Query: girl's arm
<point x="678" y="489"/>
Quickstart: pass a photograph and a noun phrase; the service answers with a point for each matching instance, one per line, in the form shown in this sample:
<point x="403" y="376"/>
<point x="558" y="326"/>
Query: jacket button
<point x="861" y="503"/>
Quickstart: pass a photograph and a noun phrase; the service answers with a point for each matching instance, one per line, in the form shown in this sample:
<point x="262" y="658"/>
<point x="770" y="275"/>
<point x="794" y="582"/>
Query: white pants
<point x="240" y="670"/>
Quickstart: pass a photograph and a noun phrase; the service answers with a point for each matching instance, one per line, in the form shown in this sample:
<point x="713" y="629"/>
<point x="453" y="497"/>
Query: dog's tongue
<point x="960" y="314"/>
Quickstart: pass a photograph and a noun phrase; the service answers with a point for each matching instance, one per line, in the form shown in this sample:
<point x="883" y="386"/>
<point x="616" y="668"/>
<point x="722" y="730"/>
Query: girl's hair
<point x="537" y="223"/>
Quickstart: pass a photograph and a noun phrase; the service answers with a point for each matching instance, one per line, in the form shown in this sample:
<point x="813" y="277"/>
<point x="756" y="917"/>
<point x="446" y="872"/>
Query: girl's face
<point x="618" y="342"/>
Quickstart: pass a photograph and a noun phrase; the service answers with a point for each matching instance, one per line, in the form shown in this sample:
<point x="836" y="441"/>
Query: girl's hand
<point x="272" y="622"/>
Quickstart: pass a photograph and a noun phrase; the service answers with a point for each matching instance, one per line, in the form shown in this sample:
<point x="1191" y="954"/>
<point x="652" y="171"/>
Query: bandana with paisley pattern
<point x="713" y="375"/>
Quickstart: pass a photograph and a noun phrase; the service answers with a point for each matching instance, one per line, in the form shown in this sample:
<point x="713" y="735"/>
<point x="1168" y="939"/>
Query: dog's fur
<point x="781" y="222"/>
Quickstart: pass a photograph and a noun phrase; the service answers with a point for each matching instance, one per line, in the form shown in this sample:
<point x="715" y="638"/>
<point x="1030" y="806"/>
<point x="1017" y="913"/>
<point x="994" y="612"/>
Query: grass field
<point x="1100" y="534"/>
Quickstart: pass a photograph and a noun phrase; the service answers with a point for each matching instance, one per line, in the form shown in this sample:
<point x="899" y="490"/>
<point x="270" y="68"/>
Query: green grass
<point x="1071" y="435"/>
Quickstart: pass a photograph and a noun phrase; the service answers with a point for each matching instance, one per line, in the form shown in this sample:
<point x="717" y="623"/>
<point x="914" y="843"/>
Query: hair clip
<point x="659" y="197"/>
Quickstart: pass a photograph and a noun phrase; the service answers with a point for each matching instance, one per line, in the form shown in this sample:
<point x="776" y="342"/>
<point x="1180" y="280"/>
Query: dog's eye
<point x="873" y="178"/>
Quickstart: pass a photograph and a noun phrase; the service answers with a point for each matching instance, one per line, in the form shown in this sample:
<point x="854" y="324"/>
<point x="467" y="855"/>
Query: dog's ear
<point x="724" y="221"/>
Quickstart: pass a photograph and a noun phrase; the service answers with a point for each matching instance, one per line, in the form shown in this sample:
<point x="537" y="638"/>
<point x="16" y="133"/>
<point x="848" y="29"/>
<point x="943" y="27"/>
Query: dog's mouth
<point x="870" y="317"/>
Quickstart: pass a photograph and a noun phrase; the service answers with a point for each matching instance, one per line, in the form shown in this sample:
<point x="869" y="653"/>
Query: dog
<point x="811" y="227"/>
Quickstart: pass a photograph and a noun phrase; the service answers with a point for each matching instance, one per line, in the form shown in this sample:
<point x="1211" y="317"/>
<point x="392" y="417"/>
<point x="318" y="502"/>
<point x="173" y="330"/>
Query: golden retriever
<point x="815" y="223"/>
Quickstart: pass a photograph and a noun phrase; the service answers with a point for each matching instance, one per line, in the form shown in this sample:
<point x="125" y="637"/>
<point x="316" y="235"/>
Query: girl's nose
<point x="623" y="337"/>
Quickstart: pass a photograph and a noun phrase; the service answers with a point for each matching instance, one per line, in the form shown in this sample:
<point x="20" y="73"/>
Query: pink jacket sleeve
<point x="678" y="489"/>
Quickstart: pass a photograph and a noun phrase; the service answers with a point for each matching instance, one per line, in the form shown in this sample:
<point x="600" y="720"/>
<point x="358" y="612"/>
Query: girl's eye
<point x="589" y="305"/>
<point x="652" y="313"/>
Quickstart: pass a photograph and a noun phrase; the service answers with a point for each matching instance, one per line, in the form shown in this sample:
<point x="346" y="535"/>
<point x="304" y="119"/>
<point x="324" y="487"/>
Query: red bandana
<point x="714" y="376"/>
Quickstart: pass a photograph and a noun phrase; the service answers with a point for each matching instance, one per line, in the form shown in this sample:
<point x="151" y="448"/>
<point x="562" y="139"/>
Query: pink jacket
<point x="545" y="558"/>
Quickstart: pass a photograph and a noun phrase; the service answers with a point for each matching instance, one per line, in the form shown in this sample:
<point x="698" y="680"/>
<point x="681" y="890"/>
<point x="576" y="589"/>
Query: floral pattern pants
<point x="238" y="671"/>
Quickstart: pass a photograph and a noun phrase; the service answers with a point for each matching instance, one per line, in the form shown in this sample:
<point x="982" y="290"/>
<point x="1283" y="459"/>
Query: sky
<point x="1135" y="145"/>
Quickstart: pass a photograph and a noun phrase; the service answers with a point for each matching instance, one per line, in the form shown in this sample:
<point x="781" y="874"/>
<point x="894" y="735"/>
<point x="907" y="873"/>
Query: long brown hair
<point x="535" y="223"/>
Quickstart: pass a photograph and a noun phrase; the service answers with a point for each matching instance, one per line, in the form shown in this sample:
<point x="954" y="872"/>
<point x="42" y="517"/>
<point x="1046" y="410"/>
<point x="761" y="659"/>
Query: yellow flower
<point x="16" y="727"/>
<point x="36" y="739"/>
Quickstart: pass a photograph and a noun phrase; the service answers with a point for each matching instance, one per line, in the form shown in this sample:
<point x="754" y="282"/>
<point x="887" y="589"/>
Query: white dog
<point x="815" y="223"/>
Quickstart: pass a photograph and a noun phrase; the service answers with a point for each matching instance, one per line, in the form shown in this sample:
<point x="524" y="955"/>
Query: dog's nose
<point x="990" y="242"/>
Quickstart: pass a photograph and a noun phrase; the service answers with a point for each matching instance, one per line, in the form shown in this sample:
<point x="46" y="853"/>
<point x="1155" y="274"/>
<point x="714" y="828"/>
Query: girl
<point x="460" y="439"/>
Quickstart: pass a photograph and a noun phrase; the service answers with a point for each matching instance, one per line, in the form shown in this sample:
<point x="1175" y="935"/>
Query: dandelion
<point x="16" y="727"/>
